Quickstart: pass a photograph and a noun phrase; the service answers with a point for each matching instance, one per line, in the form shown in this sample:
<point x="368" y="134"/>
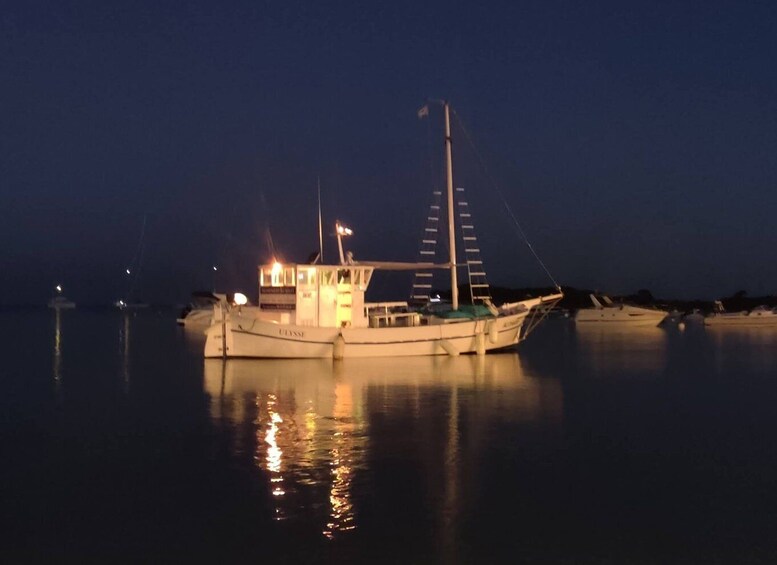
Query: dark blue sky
<point x="635" y="141"/>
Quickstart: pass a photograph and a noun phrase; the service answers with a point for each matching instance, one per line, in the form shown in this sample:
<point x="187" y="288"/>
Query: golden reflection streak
<point x="57" y="369"/>
<point x="274" y="456"/>
<point x="615" y="348"/>
<point x="274" y="453"/>
<point x="342" y="455"/>
<point x="322" y="428"/>
<point x="451" y="473"/>
<point x="124" y="344"/>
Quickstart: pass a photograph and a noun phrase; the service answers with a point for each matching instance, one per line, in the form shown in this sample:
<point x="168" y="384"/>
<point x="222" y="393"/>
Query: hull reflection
<point x="761" y="342"/>
<point x="124" y="349"/>
<point x="315" y="429"/>
<point x="613" y="350"/>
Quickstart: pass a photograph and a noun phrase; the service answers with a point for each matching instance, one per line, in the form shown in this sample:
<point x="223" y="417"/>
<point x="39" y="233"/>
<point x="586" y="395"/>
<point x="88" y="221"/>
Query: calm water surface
<point x="120" y="444"/>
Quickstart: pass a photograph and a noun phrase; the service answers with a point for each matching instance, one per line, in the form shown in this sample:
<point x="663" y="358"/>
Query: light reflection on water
<point x="615" y="349"/>
<point x="309" y="430"/>
<point x="566" y="437"/>
<point x="57" y="362"/>
<point x="760" y="342"/>
<point x="311" y="424"/>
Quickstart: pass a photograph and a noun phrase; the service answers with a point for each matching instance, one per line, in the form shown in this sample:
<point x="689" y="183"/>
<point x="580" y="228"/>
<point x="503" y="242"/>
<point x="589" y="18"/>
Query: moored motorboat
<point x="199" y="312"/>
<point x="607" y="312"/>
<point x="758" y="316"/>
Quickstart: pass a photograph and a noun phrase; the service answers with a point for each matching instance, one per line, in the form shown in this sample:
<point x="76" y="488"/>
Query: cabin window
<point x="276" y="272"/>
<point x="306" y="277"/>
<point x="327" y="278"/>
<point x="269" y="276"/>
<point x="344" y="276"/>
<point x="277" y="275"/>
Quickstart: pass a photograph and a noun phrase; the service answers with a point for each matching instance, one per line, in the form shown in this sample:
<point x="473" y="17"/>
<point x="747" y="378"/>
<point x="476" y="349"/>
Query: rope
<point x="504" y="200"/>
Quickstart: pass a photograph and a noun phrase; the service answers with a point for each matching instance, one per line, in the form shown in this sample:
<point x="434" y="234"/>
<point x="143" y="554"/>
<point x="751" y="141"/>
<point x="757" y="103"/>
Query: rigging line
<point x="504" y="200"/>
<point x="142" y="245"/>
<point x="137" y="260"/>
<point x="267" y="231"/>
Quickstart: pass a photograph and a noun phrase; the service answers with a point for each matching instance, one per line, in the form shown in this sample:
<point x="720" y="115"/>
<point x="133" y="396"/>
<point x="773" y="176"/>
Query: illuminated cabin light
<point x="343" y="230"/>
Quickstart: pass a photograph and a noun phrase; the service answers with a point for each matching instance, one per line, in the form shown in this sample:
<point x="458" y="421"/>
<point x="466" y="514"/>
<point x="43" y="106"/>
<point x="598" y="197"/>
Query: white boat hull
<point x="261" y="339"/>
<point x="627" y="316"/>
<point x="200" y="317"/>
<point x="743" y="320"/>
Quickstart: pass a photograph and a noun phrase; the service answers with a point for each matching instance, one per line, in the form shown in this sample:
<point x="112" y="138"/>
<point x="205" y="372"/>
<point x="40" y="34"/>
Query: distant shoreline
<point x="574" y="299"/>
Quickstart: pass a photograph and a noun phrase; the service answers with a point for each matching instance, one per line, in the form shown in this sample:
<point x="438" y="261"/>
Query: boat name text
<point x="291" y="333"/>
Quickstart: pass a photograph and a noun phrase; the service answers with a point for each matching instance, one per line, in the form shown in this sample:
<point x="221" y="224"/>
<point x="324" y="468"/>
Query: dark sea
<point x="120" y="444"/>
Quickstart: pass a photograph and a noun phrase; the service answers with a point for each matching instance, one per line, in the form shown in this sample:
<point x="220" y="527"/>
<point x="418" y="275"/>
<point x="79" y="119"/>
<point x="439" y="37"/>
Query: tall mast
<point x="451" y="212"/>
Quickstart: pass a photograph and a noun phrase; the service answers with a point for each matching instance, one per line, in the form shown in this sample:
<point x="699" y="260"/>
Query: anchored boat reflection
<point x="315" y="428"/>
<point x="124" y="348"/>
<point x="57" y="362"/>
<point x="612" y="350"/>
<point x="761" y="342"/>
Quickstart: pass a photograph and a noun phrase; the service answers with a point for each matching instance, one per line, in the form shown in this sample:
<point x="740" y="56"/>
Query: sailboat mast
<point x="451" y="211"/>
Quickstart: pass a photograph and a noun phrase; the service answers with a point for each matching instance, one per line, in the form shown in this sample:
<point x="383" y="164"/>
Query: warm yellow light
<point x="342" y="230"/>
<point x="276" y="268"/>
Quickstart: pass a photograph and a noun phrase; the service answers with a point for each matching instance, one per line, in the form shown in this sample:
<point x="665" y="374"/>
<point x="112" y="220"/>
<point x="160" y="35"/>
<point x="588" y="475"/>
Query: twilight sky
<point x="636" y="142"/>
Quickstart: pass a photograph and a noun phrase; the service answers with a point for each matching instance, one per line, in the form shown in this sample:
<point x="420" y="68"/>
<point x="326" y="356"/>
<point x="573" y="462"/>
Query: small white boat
<point x="320" y="311"/>
<point x="695" y="317"/>
<point x="199" y="313"/>
<point x="123" y="305"/>
<point x="674" y="317"/>
<point x="758" y="316"/>
<point x="611" y="313"/>
<point x="200" y="316"/>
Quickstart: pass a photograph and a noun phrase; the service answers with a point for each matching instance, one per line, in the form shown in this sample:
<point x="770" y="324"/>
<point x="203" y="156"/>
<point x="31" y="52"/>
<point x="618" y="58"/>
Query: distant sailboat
<point x="130" y="301"/>
<point x="59" y="302"/>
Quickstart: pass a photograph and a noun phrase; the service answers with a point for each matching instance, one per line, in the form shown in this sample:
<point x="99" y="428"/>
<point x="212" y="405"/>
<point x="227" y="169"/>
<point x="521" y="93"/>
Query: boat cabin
<point x="329" y="296"/>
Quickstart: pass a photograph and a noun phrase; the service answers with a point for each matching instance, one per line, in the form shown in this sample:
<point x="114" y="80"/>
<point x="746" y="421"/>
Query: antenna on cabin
<point x="320" y="225"/>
